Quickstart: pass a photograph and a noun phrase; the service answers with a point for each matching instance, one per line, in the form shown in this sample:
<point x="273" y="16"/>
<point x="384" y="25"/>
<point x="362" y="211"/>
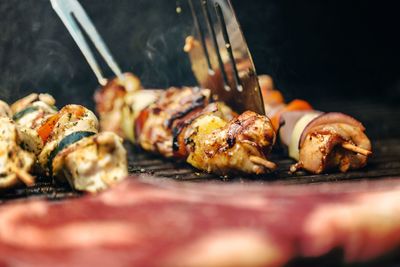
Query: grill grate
<point x="385" y="161"/>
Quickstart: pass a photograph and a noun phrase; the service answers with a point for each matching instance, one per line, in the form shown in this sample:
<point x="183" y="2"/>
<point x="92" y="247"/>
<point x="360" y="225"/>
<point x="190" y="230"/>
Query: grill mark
<point x="238" y="128"/>
<point x="181" y="124"/>
<point x="198" y="102"/>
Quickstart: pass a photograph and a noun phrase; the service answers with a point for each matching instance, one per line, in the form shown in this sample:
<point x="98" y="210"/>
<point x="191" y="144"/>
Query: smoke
<point x="165" y="62"/>
<point x="36" y="54"/>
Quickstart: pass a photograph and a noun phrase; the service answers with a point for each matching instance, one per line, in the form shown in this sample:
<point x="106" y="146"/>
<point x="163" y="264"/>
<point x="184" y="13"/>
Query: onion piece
<point x="288" y="121"/>
<point x="327" y="118"/>
<point x="134" y="103"/>
<point x="298" y="131"/>
<point x="295" y="105"/>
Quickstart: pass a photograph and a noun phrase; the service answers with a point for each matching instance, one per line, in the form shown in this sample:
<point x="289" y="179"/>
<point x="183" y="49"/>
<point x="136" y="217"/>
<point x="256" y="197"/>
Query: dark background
<point x="317" y="50"/>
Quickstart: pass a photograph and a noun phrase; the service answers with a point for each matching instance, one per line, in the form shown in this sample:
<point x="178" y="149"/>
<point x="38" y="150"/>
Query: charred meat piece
<point x="185" y="127"/>
<point x="154" y="124"/>
<point x="318" y="142"/>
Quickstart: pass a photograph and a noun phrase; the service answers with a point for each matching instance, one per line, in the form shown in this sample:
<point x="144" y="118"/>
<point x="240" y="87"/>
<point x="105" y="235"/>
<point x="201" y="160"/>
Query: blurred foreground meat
<point x="177" y="224"/>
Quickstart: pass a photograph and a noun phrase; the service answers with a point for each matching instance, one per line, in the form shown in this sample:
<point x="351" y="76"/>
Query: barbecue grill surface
<point x="381" y="121"/>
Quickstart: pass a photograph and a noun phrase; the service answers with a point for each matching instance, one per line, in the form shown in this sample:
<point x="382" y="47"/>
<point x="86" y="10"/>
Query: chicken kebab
<point x="317" y="141"/>
<point x="15" y="161"/>
<point x="186" y="123"/>
<point x="65" y="144"/>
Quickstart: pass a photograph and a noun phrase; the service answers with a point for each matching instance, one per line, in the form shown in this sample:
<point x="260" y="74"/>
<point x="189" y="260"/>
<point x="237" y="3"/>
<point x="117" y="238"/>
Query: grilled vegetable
<point x="295" y="105"/>
<point x="70" y="119"/>
<point x="24" y="112"/>
<point x="134" y="103"/>
<point x="30" y="113"/>
<point x="110" y="101"/>
<point x="65" y="142"/>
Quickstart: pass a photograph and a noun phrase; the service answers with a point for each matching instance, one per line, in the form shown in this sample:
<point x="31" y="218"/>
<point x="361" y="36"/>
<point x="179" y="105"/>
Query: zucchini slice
<point x="65" y="142"/>
<point x="23" y="112"/>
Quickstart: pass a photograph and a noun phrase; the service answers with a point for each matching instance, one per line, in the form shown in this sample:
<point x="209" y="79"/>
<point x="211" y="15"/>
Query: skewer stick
<point x="24" y="176"/>
<point x="356" y="149"/>
<point x="268" y="164"/>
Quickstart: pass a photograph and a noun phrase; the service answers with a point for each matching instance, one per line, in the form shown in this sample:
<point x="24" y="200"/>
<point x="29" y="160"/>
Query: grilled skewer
<point x="184" y="123"/>
<point x="19" y="139"/>
<point x="74" y="150"/>
<point x="66" y="143"/>
<point x="317" y="141"/>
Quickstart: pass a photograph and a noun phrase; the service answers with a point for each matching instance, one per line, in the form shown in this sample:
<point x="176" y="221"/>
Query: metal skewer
<point x="71" y="12"/>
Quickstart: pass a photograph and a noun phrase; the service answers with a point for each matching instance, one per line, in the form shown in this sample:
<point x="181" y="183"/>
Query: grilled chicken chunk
<point x="333" y="141"/>
<point x="241" y="144"/>
<point x="29" y="114"/>
<point x="93" y="163"/>
<point x="15" y="162"/>
<point x="154" y="124"/>
<point x="75" y="151"/>
<point x="69" y="120"/>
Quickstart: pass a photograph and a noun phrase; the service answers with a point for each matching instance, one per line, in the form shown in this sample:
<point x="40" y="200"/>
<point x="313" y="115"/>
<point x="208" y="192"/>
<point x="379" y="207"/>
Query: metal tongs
<point x="220" y="56"/>
<point x="71" y="12"/>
